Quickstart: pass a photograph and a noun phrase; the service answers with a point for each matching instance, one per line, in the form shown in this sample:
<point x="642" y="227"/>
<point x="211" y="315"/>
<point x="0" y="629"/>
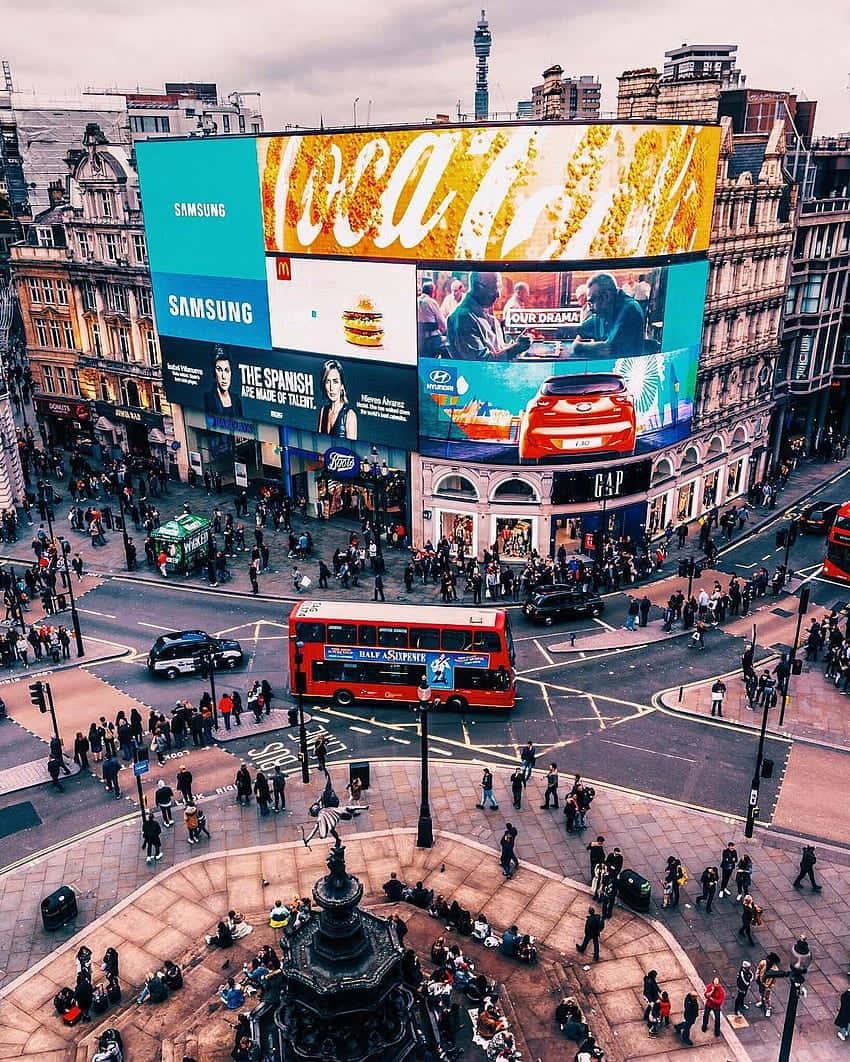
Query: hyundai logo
<point x="584" y="407"/>
<point x="440" y="376"/>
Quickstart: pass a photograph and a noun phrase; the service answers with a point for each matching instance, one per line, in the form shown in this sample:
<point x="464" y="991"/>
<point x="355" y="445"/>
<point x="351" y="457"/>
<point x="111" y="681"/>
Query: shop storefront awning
<point x="104" y="424"/>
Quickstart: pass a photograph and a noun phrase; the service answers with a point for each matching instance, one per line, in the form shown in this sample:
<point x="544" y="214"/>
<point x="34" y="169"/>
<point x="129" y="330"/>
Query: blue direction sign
<point x="142" y="767"/>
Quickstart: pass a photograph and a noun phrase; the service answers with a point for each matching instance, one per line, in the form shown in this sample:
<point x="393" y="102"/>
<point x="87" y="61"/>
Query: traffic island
<point x="168" y="917"/>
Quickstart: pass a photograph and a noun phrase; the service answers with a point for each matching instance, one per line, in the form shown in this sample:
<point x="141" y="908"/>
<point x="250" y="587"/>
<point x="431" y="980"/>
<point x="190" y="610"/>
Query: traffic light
<point x="793" y="528"/>
<point x="781" y="538"/>
<point x="293" y="716"/>
<point x="697" y="569"/>
<point x="683" y="567"/>
<point x="37" y="696"/>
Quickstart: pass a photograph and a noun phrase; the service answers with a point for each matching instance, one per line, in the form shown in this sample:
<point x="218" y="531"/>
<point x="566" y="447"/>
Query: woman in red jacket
<point x="714" y="996"/>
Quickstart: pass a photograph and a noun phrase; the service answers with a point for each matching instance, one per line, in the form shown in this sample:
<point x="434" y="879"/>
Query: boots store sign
<point x="341" y="463"/>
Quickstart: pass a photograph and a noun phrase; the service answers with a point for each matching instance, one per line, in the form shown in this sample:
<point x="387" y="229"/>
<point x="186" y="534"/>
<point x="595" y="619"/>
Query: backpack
<point x="63" y="1000"/>
<point x="683" y="874"/>
<point x="99" y="1001"/>
<point x="758" y="919"/>
<point x="113" y="992"/>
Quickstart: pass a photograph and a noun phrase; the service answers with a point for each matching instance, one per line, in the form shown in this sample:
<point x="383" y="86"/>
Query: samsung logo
<point x="199" y="210"/>
<point x="225" y="310"/>
<point x="439" y="376"/>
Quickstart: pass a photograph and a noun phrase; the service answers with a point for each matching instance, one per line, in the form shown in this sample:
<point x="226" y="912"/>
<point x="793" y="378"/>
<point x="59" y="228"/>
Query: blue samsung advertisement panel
<point x="203" y="222"/>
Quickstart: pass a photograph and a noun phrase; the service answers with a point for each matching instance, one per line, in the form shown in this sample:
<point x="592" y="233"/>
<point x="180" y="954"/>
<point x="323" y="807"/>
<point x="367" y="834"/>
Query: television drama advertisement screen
<point x="549" y="366"/>
<point x="340" y="398"/>
<point x="347" y="309"/>
<point x="510" y="193"/>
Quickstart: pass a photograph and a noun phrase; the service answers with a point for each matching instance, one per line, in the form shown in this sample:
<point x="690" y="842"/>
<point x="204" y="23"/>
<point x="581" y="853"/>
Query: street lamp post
<point x="75" y="619"/>
<point x="796" y="974"/>
<point x="208" y="671"/>
<point x="802" y="609"/>
<point x="424" y="829"/>
<point x="753" y="808"/>
<point x="300" y="690"/>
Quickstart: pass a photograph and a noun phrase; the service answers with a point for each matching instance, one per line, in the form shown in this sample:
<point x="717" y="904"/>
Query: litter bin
<point x="59" y="908"/>
<point x="634" y="890"/>
<point x="359" y="770"/>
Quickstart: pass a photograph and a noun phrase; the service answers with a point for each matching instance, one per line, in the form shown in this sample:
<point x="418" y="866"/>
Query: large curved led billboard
<point x="549" y="366"/>
<point x="495" y="193"/>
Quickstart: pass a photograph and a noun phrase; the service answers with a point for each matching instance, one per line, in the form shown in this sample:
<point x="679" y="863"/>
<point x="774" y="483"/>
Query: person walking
<point x="81" y="750"/>
<point x="551" y="787"/>
<point x="262" y="792"/>
<point x="53" y="769"/>
<point x="517" y="785"/>
<point x="190" y="817"/>
<point x="608" y="894"/>
<point x="507" y="844"/>
<point x="746" y="974"/>
<point x="57" y="754"/>
<point x="528" y="757"/>
<point x="487" y="790"/>
<point x="643" y="606"/>
<point x="243" y="785"/>
<point x="690" y="1013"/>
<point x="743" y="877"/>
<point x="225" y="709"/>
<point x="111" y="767"/>
<point x="766" y="979"/>
<point x="164" y="799"/>
<point x="379" y="587"/>
<point x="632" y="614"/>
<point x="728" y="863"/>
<point x="592" y="929"/>
<point x="718" y="692"/>
<point x="320" y="751"/>
<point x="151" y="834"/>
<point x="750" y="916"/>
<point x="807" y="867"/>
<point x="279" y="788"/>
<point x="673" y="878"/>
<point x="708" y="880"/>
<point x="184" y="785"/>
<point x="842" y="1018"/>
<point x="714" y="996"/>
<point x="651" y="992"/>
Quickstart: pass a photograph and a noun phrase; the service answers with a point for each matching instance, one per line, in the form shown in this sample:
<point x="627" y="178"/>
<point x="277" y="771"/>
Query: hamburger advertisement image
<point x="342" y="308"/>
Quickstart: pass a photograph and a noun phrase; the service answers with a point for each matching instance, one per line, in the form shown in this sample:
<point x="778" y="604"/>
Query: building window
<point x="45" y="237"/>
<point x="41" y="332"/>
<point x="48" y="295"/>
<point x="157" y="399"/>
<point x="140" y="247"/>
<point x="116" y="298"/>
<point x="62" y="292"/>
<point x="34" y="289"/>
<point x="94" y="338"/>
<point x="111" y="247"/>
<point x="107" y="394"/>
<point x="89" y="294"/>
<point x="75" y="382"/>
<point x="47" y="373"/>
<point x="62" y="379"/>
<point x="104" y="203"/>
<point x="811" y="294"/>
<point x="83" y="243"/>
<point x="68" y="335"/>
<point x="144" y="302"/>
<point x="791" y="299"/>
<point x="151" y="346"/>
<point x="225" y="123"/>
<point x="55" y="335"/>
<point x="255" y="127"/>
<point x="241" y="123"/>
<point x="121" y="341"/>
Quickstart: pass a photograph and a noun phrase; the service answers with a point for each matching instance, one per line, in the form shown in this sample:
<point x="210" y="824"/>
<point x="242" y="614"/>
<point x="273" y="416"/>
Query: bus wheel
<point x="457" y="704"/>
<point x="344" y="698"/>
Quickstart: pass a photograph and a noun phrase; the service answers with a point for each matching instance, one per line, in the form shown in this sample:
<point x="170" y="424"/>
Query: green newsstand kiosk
<point x="185" y="541"/>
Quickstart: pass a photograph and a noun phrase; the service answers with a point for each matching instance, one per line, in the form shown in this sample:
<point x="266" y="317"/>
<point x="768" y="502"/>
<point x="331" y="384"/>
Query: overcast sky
<point x="313" y="59"/>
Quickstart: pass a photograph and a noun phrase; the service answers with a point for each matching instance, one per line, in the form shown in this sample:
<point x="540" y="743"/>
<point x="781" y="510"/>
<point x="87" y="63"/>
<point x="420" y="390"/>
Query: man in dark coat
<point x="592" y="929"/>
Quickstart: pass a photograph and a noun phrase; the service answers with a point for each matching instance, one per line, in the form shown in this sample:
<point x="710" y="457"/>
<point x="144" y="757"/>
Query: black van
<point x="181" y="653"/>
<point x="546" y="606"/>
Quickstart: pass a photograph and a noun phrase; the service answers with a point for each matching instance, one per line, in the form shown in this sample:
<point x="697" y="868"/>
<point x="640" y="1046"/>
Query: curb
<point x="679" y="953"/>
<point x="81" y="661"/>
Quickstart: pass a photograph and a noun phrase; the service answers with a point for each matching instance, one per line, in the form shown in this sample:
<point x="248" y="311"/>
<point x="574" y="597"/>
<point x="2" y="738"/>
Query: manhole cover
<point x="783" y="612"/>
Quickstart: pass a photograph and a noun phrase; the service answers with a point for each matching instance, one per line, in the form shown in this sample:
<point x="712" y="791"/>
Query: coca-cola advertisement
<point x="338" y="397"/>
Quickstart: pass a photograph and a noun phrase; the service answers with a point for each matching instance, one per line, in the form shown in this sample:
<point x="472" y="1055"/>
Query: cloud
<point x="410" y="60"/>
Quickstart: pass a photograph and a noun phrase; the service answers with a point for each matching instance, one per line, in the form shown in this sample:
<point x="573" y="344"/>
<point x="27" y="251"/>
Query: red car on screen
<point x="585" y="414"/>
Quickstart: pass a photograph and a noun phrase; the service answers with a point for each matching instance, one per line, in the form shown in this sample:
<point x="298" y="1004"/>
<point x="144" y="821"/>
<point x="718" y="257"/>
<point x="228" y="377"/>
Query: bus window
<point x="342" y="634"/>
<point x="337" y="671"/>
<point x="457" y="641"/>
<point x="424" y="638"/>
<point x="392" y="637"/>
<point x="310" y="632"/>
<point x="487" y="642"/>
<point x="366" y="635"/>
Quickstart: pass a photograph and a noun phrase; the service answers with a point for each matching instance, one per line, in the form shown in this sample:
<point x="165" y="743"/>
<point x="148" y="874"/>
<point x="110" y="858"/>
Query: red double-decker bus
<point x="376" y="652"/>
<point x="837" y="562"/>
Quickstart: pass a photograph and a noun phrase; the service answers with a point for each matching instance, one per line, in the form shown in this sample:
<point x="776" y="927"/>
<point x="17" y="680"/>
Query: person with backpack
<point x="807" y="867"/>
<point x="675" y="877"/>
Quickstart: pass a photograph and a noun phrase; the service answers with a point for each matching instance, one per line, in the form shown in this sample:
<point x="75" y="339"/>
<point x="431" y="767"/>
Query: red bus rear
<point x="372" y="652"/>
<point x="837" y="562"/>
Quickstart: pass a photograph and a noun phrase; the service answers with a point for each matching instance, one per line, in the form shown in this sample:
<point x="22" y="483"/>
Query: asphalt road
<point x="592" y="714"/>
